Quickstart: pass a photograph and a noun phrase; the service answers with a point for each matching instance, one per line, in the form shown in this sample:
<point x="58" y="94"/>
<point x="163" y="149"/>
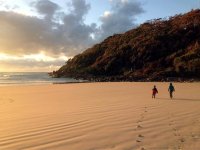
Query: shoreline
<point x="63" y="83"/>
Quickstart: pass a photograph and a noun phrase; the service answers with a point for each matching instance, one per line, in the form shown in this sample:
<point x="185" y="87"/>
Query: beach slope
<point x="99" y="116"/>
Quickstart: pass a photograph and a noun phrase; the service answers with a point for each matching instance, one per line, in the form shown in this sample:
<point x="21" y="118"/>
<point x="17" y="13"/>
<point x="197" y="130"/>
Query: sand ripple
<point x="99" y="116"/>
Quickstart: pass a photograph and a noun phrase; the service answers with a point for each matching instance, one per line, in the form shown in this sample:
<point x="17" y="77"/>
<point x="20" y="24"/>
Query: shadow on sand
<point x="181" y="99"/>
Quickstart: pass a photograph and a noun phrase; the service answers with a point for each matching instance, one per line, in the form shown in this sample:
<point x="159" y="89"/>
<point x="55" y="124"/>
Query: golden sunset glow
<point x="36" y="57"/>
<point x="45" y="63"/>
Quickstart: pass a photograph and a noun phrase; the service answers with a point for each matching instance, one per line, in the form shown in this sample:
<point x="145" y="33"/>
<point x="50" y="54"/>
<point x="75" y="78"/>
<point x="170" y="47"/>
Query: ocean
<point x="15" y="78"/>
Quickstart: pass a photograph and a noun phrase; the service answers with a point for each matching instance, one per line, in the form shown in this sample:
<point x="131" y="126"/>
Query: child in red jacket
<point x="154" y="92"/>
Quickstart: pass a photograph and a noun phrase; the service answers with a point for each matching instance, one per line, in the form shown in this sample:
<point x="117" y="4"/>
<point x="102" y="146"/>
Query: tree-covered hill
<point x="156" y="50"/>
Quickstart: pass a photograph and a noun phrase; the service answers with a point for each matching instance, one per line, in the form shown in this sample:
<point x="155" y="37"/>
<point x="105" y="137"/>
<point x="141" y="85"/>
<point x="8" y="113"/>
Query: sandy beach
<point x="99" y="116"/>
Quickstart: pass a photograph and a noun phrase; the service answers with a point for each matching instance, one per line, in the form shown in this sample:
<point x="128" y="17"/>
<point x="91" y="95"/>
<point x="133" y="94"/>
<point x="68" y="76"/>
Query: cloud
<point x="46" y="8"/>
<point x="80" y="8"/>
<point x="74" y="31"/>
<point x="27" y="34"/>
<point x="57" y="32"/>
<point x="120" y="18"/>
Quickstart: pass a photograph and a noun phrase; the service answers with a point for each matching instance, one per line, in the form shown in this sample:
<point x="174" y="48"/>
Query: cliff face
<point x="155" y="50"/>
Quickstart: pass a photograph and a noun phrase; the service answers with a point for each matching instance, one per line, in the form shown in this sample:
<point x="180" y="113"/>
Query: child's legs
<point x="153" y="95"/>
<point x="171" y="94"/>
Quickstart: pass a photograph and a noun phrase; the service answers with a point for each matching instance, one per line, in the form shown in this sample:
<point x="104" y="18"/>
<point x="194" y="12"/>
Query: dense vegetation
<point x="156" y="50"/>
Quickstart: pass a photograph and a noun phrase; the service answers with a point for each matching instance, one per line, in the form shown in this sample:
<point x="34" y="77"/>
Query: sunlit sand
<point x="99" y="116"/>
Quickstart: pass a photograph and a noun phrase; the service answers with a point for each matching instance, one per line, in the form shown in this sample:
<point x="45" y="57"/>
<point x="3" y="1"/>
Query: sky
<point x="41" y="35"/>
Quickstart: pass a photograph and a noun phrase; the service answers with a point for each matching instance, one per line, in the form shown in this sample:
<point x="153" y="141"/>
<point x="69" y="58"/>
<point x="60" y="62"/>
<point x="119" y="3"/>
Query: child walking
<point x="171" y="89"/>
<point x="154" y="92"/>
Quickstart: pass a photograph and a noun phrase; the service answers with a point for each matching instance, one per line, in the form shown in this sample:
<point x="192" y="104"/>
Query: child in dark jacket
<point x="154" y="92"/>
<point x="171" y="89"/>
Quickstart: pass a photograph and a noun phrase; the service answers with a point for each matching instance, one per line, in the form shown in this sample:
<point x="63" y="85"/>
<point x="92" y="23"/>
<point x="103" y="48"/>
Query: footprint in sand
<point x="140" y="138"/>
<point x="140" y="135"/>
<point x="180" y="148"/>
<point x="138" y="141"/>
<point x="194" y="136"/>
<point x="5" y="100"/>
<point x="175" y="130"/>
<point x="139" y="126"/>
<point x="182" y="140"/>
<point x="143" y="114"/>
<point x="177" y="134"/>
<point x="145" y="109"/>
<point x="11" y="100"/>
<point x="141" y="148"/>
<point x="171" y="122"/>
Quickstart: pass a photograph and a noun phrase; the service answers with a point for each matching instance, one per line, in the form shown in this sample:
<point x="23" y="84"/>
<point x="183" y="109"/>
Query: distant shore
<point x="130" y="79"/>
<point x="88" y="78"/>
